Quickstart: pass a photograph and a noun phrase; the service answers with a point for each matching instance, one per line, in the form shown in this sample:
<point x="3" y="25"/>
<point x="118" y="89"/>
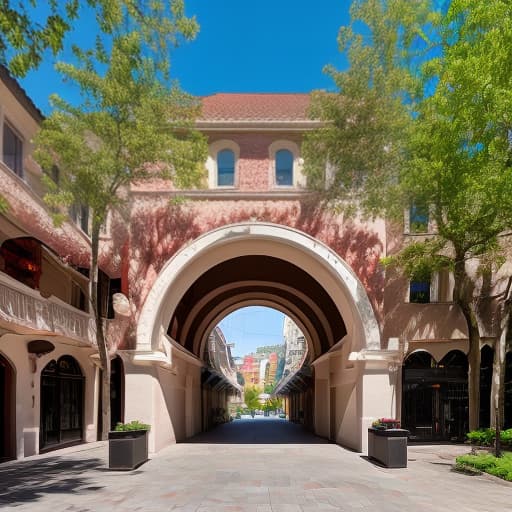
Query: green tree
<point x="28" y="30"/>
<point x="251" y="398"/>
<point x="368" y="120"/>
<point x="272" y="404"/>
<point x="130" y="126"/>
<point x="460" y="161"/>
<point x="422" y="117"/>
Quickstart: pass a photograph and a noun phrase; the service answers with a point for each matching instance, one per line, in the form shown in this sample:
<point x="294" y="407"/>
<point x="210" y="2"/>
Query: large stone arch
<point x="296" y="247"/>
<point x="218" y="273"/>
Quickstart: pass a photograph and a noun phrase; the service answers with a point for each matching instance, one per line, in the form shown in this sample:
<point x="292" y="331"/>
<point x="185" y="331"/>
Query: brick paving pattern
<point x="261" y="465"/>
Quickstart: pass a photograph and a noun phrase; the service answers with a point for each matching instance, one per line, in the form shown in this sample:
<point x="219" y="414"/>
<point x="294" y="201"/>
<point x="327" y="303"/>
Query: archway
<point x="7" y="410"/>
<point x="289" y="248"/>
<point x="116" y="392"/>
<point x="62" y="402"/>
<point x="435" y="396"/>
<point x="279" y="267"/>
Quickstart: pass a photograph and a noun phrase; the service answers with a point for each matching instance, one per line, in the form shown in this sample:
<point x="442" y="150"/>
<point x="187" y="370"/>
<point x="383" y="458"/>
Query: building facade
<point x="253" y="235"/>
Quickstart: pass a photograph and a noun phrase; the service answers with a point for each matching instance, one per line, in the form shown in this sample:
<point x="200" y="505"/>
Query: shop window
<point x="12" y="150"/>
<point x="435" y="397"/>
<point x="225" y="168"/>
<point x="419" y="292"/>
<point x="22" y="260"/>
<point x="284" y="167"/>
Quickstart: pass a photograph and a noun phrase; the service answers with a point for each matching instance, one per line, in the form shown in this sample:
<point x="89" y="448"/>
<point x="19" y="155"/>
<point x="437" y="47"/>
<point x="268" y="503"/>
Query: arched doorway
<point x="7" y="410"/>
<point x="62" y="402"/>
<point x="435" y="396"/>
<point x="285" y="269"/>
<point x="116" y="392"/>
<point x="486" y="367"/>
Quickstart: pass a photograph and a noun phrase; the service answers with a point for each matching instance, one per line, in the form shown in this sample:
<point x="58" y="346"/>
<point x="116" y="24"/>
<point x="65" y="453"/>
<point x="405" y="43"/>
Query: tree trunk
<point x="498" y="383"/>
<point x="100" y="334"/>
<point x="463" y="296"/>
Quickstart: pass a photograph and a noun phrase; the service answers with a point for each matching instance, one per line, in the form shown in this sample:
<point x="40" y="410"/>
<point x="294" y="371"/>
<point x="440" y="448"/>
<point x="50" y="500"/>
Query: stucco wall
<point x="159" y="230"/>
<point x="28" y="389"/>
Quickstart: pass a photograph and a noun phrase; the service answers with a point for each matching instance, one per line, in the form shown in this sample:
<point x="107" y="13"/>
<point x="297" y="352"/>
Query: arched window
<point x="284" y="167"/>
<point x="225" y="168"/>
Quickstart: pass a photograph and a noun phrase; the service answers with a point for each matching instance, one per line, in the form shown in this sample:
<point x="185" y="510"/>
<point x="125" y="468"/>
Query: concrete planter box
<point x="127" y="450"/>
<point x="389" y="447"/>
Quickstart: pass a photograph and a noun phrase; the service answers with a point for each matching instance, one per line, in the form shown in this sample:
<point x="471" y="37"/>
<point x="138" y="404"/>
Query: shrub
<point x="506" y="436"/>
<point x="487" y="436"/>
<point x="484" y="437"/>
<point x="500" y="467"/>
<point x="133" y="425"/>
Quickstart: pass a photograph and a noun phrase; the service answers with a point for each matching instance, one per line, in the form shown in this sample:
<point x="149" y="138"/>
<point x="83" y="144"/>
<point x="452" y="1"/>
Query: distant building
<point x="295" y="347"/>
<point x="271" y="368"/>
<point x="251" y="370"/>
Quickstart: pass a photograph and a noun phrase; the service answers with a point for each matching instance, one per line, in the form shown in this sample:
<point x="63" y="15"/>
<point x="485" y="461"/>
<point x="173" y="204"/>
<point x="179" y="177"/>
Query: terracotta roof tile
<point x="255" y="107"/>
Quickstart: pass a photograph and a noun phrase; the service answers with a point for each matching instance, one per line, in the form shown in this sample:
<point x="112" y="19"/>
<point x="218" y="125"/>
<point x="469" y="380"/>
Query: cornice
<point x="232" y="194"/>
<point x="227" y="125"/>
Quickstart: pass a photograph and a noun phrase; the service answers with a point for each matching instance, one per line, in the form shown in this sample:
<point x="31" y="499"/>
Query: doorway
<point x="7" y="410"/>
<point x="435" y="397"/>
<point x="62" y="402"/>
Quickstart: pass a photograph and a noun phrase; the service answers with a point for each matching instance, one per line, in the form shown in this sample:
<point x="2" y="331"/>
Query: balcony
<point x="25" y="311"/>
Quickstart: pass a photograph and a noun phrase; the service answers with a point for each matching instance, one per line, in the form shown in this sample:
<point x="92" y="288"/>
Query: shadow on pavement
<point x="258" y="431"/>
<point x="28" y="481"/>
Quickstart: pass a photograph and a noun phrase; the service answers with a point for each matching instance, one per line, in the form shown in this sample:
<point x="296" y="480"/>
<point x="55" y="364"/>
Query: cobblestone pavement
<point x="283" y="470"/>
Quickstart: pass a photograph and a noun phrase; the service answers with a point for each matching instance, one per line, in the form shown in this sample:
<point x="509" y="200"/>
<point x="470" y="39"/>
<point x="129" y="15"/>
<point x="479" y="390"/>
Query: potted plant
<point x="128" y="445"/>
<point x="387" y="443"/>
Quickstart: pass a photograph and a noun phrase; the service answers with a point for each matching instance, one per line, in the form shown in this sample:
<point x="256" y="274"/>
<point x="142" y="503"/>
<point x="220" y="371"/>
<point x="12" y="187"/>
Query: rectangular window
<point x="284" y="167"/>
<point x="12" y="150"/>
<point x="419" y="292"/>
<point x="225" y="168"/>
<point x="418" y="219"/>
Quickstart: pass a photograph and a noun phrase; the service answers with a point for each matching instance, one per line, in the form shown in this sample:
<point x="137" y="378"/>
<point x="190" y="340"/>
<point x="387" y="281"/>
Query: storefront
<point x="62" y="403"/>
<point x="435" y="396"/>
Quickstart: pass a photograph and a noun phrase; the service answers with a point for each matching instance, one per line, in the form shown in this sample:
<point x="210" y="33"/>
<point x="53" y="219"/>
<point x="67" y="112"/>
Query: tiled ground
<point x="217" y="472"/>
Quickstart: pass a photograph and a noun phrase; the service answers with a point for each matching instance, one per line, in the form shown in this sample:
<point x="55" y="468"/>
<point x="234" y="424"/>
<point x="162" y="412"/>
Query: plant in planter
<point x="387" y="443"/>
<point x="386" y="423"/>
<point x="133" y="425"/>
<point x="128" y="445"/>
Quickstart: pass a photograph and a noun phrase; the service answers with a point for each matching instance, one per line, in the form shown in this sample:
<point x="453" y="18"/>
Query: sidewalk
<point x="223" y="474"/>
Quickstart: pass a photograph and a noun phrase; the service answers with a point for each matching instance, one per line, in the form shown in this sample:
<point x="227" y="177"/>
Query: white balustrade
<point x="26" y="307"/>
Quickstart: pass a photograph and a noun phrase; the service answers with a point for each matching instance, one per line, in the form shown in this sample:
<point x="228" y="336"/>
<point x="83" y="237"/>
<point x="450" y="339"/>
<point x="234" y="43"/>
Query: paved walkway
<point x="291" y="472"/>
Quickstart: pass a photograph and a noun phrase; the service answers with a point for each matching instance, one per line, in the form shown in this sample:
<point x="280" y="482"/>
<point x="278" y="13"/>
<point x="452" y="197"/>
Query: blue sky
<point x="252" y="327"/>
<point x="242" y="46"/>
